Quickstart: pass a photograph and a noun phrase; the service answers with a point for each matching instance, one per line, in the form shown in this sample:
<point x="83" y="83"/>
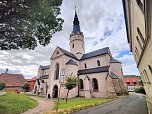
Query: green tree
<point x="26" y="87"/>
<point x="2" y="85"/>
<point x="27" y="23"/>
<point x="71" y="82"/>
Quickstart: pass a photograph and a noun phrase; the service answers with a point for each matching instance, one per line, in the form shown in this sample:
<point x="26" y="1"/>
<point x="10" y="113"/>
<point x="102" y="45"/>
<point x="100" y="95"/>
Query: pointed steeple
<point x="76" y="26"/>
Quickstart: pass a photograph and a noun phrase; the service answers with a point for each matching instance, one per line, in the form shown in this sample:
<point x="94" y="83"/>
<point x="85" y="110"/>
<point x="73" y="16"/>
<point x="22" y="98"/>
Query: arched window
<point x="73" y="45"/>
<point x="81" y="84"/>
<point x="150" y="68"/>
<point x="85" y="65"/>
<point x="56" y="71"/>
<point x="98" y="62"/>
<point x="140" y="4"/>
<point x="95" y="84"/>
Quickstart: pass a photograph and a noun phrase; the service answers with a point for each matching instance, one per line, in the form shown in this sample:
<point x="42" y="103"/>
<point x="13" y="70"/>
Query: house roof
<point x="112" y="60"/>
<point x="44" y="67"/>
<point x="32" y="79"/>
<point x="16" y="80"/>
<point x="44" y="77"/>
<point x="113" y="76"/>
<point x="95" y="53"/>
<point x="71" y="62"/>
<point x="68" y="53"/>
<point x="94" y="70"/>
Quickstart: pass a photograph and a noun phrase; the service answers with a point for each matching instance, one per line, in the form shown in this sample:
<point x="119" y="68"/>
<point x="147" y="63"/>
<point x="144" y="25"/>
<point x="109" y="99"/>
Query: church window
<point x="140" y="4"/>
<point x="95" y="84"/>
<point x="81" y="84"/>
<point x="85" y="65"/>
<point x="98" y="62"/>
<point x="150" y="68"/>
<point x="57" y="52"/>
<point x="56" y="71"/>
<point x="72" y="45"/>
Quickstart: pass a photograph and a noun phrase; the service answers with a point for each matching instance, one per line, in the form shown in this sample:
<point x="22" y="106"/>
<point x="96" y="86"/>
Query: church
<point x="99" y="74"/>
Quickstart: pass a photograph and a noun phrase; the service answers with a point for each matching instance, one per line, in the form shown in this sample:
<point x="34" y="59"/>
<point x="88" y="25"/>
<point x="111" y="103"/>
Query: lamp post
<point x="61" y="80"/>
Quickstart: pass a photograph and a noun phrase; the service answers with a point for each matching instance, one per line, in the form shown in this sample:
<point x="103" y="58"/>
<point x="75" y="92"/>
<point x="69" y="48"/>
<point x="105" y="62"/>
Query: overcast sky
<point x="102" y="23"/>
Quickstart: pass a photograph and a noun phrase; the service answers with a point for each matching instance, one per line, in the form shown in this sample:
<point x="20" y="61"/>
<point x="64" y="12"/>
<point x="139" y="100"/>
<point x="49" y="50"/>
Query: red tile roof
<point x="12" y="79"/>
<point x="32" y="79"/>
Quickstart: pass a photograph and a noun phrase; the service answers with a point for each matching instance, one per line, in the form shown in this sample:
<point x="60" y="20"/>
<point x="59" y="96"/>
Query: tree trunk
<point x="67" y="96"/>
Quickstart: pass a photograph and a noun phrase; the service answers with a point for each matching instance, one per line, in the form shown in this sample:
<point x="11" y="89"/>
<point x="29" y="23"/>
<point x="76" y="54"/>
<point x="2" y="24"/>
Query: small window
<point x="139" y="42"/>
<point x="128" y="83"/>
<point x="57" y="52"/>
<point x="150" y="68"/>
<point x="42" y="81"/>
<point x="140" y="4"/>
<point x="85" y="65"/>
<point x="135" y="83"/>
<point x="72" y="45"/>
<point x="98" y="62"/>
<point x="141" y="36"/>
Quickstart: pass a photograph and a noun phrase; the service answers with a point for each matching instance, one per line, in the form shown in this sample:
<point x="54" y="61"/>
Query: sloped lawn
<point x="13" y="103"/>
<point x="77" y="104"/>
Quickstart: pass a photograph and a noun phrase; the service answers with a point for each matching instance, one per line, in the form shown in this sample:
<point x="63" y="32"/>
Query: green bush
<point x="26" y="87"/>
<point x="140" y="90"/>
<point x="2" y="85"/>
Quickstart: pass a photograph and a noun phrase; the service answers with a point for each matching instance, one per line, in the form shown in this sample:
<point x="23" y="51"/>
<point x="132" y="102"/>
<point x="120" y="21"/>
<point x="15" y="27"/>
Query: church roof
<point x="76" y="26"/>
<point x="113" y="76"/>
<point x="44" y="67"/>
<point x="95" y="53"/>
<point x="71" y="62"/>
<point x="68" y="53"/>
<point x="94" y="70"/>
<point x="112" y="60"/>
<point x="44" y="77"/>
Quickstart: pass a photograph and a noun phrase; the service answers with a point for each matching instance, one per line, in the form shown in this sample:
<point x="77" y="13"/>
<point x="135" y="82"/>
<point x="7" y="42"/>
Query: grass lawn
<point x="77" y="104"/>
<point x="13" y="103"/>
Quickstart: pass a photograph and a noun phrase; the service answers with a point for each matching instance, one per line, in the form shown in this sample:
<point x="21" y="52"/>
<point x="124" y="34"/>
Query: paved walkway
<point x="135" y="104"/>
<point x="43" y="106"/>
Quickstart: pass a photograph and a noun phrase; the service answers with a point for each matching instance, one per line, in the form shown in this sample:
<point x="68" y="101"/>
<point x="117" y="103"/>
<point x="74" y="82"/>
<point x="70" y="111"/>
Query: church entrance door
<point x="55" y="91"/>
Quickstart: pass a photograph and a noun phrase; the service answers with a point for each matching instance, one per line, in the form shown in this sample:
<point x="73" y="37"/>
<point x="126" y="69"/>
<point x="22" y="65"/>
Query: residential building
<point x="138" y="18"/>
<point x="133" y="82"/>
<point x="41" y="84"/>
<point x="31" y="83"/>
<point x="14" y="82"/>
<point x="99" y="73"/>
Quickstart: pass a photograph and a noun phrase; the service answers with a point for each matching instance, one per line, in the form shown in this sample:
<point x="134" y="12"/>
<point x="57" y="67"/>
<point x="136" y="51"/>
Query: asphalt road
<point x="134" y="104"/>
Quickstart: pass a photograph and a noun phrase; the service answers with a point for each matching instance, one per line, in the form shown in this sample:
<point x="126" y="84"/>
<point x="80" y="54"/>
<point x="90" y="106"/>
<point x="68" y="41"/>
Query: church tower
<point x="77" y="39"/>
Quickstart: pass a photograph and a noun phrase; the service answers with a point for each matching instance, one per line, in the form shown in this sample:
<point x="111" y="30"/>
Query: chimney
<point x="6" y="71"/>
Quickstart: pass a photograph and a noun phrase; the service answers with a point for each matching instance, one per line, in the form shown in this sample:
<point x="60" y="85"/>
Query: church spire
<point x="76" y="26"/>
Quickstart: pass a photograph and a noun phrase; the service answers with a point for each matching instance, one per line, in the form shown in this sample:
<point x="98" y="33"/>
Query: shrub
<point x="140" y="90"/>
<point x="26" y="87"/>
<point x="2" y="85"/>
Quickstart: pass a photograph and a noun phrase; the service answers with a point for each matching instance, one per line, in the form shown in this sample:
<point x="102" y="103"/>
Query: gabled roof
<point x="112" y="60"/>
<point x="32" y="79"/>
<point x="95" y="53"/>
<point x="71" y="62"/>
<point x="94" y="70"/>
<point x="44" y="67"/>
<point x="13" y="80"/>
<point x="68" y="53"/>
<point x="44" y="77"/>
<point x="113" y="76"/>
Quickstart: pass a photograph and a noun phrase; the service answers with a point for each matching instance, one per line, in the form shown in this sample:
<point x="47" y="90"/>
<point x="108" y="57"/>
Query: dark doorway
<point x="35" y="89"/>
<point x="55" y="91"/>
<point x="49" y="96"/>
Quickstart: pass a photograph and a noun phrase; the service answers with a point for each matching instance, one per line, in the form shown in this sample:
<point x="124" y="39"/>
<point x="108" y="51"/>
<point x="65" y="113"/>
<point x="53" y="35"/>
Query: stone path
<point x="43" y="106"/>
<point x="2" y="93"/>
<point x="134" y="104"/>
